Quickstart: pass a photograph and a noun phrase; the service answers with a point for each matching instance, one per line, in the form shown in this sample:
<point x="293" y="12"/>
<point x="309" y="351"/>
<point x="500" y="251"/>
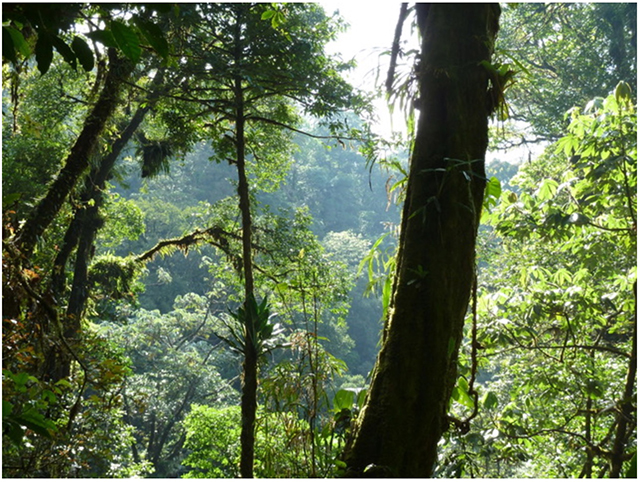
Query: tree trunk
<point x="406" y="412"/>
<point x="78" y="159"/>
<point x="624" y="416"/>
<point x="81" y="233"/>
<point x="250" y="364"/>
<point x="92" y="200"/>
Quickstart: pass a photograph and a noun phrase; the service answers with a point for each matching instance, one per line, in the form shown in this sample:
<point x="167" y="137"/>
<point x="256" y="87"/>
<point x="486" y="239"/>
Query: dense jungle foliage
<point x="190" y="189"/>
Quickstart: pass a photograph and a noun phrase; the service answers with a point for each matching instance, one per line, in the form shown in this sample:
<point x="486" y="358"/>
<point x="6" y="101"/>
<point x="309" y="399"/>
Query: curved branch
<point x="395" y="47"/>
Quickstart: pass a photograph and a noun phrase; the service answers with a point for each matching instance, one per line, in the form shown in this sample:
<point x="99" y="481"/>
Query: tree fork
<point x="406" y="411"/>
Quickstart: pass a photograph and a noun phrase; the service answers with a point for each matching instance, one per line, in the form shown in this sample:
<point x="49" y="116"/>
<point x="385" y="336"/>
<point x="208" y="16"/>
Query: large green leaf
<point x="13" y="41"/>
<point x="154" y="35"/>
<point x="343" y="399"/>
<point x="83" y="53"/>
<point x="8" y="47"/>
<point x="127" y="40"/>
<point x="63" y="49"/>
<point x="44" y="52"/>
<point x="105" y="37"/>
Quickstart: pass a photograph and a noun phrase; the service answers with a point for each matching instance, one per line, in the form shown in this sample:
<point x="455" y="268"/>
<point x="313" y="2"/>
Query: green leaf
<point x="463" y="393"/>
<point x="490" y="400"/>
<point x="632" y="470"/>
<point x="7" y="408"/>
<point x="343" y="399"/>
<point x="154" y="35"/>
<point x="8" y="47"/>
<point x="127" y="40"/>
<point x="83" y="53"/>
<point x="547" y="189"/>
<point x="267" y="14"/>
<point x="623" y="91"/>
<point x="492" y="193"/>
<point x="63" y="49"/>
<point x="386" y="294"/>
<point x="14" y="431"/>
<point x="105" y="37"/>
<point x="37" y="422"/>
<point x="455" y="394"/>
<point x="44" y="52"/>
<point x="16" y="41"/>
<point x="9" y="199"/>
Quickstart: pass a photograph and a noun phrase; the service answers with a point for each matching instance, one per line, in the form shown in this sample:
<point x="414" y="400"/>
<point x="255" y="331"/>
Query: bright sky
<point x="371" y="28"/>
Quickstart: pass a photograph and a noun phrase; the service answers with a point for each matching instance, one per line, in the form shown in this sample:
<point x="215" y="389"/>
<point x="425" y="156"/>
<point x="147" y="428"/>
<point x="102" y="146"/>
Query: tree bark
<point x="78" y="159"/>
<point x="88" y="214"/>
<point x="406" y="413"/>
<point x="250" y="363"/>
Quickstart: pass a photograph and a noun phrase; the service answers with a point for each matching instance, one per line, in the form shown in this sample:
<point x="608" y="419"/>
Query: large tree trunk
<point x="406" y="413"/>
<point x="78" y="159"/>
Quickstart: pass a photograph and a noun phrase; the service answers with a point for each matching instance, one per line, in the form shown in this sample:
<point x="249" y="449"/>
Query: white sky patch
<point x="370" y="33"/>
<point x="371" y="29"/>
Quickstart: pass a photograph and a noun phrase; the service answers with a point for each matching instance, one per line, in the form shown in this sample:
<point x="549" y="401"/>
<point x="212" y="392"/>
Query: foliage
<point x="72" y="427"/>
<point x="39" y="121"/>
<point x="556" y="267"/>
<point x="566" y="52"/>
<point x="253" y="327"/>
<point x="283" y="438"/>
<point x="213" y="436"/>
<point x="557" y="310"/>
<point x="125" y="221"/>
<point x="39" y="29"/>
<point x="175" y="360"/>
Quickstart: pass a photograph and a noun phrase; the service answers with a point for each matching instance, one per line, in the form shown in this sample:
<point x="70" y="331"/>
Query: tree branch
<point x="305" y="133"/>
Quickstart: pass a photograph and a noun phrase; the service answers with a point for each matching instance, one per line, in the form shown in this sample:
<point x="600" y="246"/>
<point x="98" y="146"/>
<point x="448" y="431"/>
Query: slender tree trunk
<point x="90" y="220"/>
<point x="626" y="408"/>
<point x="406" y="413"/>
<point x="78" y="159"/>
<point x="250" y="363"/>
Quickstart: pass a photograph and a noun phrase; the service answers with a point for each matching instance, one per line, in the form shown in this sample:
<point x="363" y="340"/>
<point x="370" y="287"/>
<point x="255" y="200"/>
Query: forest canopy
<point x="214" y="265"/>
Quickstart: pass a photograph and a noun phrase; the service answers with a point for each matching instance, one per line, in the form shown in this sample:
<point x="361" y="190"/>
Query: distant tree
<point x="253" y="66"/>
<point x="398" y="430"/>
<point x="175" y="361"/>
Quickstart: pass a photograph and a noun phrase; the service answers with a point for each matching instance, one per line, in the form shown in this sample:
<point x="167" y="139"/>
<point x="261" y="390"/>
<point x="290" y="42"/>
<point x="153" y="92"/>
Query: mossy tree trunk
<point x="248" y="401"/>
<point x="81" y="234"/>
<point x="406" y="412"/>
<point x="78" y="159"/>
